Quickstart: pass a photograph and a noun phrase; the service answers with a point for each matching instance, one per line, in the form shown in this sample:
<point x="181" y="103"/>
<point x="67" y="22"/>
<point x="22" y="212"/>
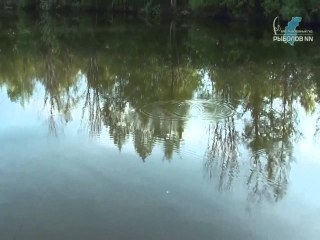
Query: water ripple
<point x="213" y="109"/>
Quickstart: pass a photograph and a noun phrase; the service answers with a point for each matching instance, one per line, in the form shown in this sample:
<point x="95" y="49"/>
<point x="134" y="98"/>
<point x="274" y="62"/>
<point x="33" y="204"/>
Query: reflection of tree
<point x="118" y="126"/>
<point x="143" y="143"/>
<point x="125" y="70"/>
<point x="148" y="131"/>
<point x="60" y="96"/>
<point x="52" y="124"/>
<point x="48" y="32"/>
<point x="92" y="97"/>
<point x="174" y="55"/>
<point x="221" y="157"/>
<point x="52" y="91"/>
<point x="270" y="134"/>
<point x="17" y="71"/>
<point x="271" y="98"/>
<point x="170" y="133"/>
<point x="136" y="84"/>
<point x="115" y="110"/>
<point x="269" y="175"/>
<point x="317" y="131"/>
<point x="97" y="81"/>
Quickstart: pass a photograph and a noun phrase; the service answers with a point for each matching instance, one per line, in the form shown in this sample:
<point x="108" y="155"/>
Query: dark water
<point x="115" y="128"/>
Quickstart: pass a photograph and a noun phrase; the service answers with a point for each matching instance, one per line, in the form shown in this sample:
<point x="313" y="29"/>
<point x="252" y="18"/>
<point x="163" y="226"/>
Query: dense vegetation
<point x="248" y="9"/>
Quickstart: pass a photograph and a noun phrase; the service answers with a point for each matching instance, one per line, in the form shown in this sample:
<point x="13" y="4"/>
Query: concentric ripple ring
<point x="213" y="109"/>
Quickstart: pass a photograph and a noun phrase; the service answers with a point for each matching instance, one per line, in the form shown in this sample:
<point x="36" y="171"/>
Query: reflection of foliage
<point x="269" y="174"/>
<point x="92" y="97"/>
<point x="114" y="110"/>
<point x="221" y="157"/>
<point x="273" y="125"/>
<point x="92" y="104"/>
<point x="54" y="103"/>
<point x="58" y="94"/>
<point x="317" y="130"/>
<point x="131" y="67"/>
<point x="48" y="36"/>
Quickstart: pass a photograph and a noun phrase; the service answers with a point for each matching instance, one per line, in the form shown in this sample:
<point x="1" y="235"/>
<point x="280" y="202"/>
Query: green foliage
<point x="151" y="9"/>
<point x="195" y="4"/>
<point x="309" y="10"/>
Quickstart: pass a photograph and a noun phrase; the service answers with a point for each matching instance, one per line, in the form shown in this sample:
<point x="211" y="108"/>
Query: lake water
<point x="117" y="128"/>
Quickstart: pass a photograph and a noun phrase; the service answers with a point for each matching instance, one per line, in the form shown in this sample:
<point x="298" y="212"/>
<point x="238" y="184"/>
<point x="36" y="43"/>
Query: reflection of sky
<point x="300" y="207"/>
<point x="308" y="144"/>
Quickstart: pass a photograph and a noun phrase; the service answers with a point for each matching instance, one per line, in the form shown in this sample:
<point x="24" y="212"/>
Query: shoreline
<point x="183" y="13"/>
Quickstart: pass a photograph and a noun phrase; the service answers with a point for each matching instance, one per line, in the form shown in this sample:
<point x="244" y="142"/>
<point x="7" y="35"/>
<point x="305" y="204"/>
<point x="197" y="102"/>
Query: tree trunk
<point x="174" y="5"/>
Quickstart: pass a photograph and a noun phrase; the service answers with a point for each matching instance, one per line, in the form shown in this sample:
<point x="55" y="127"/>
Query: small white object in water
<point x="167" y="191"/>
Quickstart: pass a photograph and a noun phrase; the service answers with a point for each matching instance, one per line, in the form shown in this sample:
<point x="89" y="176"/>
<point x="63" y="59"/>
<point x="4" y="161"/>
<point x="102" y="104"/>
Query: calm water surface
<point x="125" y="129"/>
